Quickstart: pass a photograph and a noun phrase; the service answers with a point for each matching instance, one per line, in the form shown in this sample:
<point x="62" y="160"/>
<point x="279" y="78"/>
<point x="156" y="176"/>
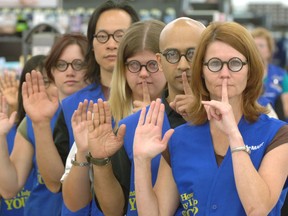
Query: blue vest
<point x="69" y="105"/>
<point x="273" y="83"/>
<point x="15" y="206"/>
<point x="206" y="188"/>
<point x="131" y="124"/>
<point x="41" y="201"/>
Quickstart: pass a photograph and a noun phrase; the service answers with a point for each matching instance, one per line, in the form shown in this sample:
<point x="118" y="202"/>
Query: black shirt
<point x="120" y="161"/>
<point x="61" y="137"/>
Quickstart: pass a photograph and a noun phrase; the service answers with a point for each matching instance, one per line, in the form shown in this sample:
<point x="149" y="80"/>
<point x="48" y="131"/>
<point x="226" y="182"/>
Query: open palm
<point x="37" y="104"/>
<point x="102" y="140"/>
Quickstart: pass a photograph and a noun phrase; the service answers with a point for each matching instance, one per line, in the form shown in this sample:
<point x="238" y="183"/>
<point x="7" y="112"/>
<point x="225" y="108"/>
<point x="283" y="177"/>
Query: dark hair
<point x="34" y="63"/>
<point x="93" y="72"/>
<point x="60" y="44"/>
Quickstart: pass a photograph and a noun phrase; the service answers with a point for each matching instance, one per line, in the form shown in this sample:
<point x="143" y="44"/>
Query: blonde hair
<point x="240" y="39"/>
<point x="264" y="33"/>
<point x="140" y="36"/>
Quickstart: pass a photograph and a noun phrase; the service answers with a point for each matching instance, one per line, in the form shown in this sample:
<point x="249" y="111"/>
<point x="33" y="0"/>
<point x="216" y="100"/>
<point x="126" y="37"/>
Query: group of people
<point x="169" y="115"/>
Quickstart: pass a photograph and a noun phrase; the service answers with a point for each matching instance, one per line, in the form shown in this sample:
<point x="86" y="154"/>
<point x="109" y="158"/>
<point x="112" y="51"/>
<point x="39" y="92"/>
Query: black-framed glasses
<point x="135" y="66"/>
<point x="234" y="64"/>
<point x="76" y="64"/>
<point x="173" y="56"/>
<point x="103" y="36"/>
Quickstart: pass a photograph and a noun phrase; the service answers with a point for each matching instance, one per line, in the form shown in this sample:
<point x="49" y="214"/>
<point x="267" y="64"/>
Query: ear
<point x="158" y="57"/>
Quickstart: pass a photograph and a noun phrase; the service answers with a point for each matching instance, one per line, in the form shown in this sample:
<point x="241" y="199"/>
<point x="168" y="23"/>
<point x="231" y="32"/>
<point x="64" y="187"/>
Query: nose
<point x="225" y="72"/>
<point x="183" y="64"/>
<point x="111" y="43"/>
<point x="70" y="71"/>
<point x="143" y="72"/>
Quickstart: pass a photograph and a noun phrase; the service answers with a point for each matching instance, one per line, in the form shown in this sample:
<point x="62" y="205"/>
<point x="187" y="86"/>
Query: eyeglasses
<point x="76" y="64"/>
<point x="234" y="64"/>
<point x="135" y="66"/>
<point x="103" y="36"/>
<point x="173" y="56"/>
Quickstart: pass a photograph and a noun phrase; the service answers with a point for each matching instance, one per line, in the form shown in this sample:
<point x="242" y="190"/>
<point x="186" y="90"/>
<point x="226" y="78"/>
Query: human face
<point x="110" y="22"/>
<point x="155" y="81"/>
<point x="70" y="80"/>
<point x="263" y="48"/>
<point x="236" y="81"/>
<point x="180" y="37"/>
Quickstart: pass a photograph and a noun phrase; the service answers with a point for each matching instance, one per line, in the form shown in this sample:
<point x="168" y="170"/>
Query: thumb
<point x="173" y="105"/>
<point x="12" y="118"/>
<point x="121" y="132"/>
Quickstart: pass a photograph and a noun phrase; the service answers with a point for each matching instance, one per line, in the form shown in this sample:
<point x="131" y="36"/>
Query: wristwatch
<point x="81" y="164"/>
<point x="98" y="161"/>
<point x="241" y="148"/>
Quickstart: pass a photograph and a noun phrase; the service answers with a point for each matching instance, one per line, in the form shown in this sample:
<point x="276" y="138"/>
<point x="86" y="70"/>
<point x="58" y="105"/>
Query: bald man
<point x="178" y="41"/>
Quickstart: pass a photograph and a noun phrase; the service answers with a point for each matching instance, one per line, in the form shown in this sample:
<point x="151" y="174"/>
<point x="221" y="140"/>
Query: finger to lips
<point x="186" y="86"/>
<point x="224" y="91"/>
<point x="146" y="95"/>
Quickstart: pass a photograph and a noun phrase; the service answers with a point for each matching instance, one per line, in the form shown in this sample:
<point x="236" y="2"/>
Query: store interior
<point x="27" y="29"/>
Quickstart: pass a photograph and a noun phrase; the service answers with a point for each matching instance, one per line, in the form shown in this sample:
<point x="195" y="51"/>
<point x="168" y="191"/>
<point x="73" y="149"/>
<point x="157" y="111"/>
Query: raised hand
<point x="148" y="140"/>
<point x="137" y="105"/>
<point x="80" y="125"/>
<point x="9" y="85"/>
<point x="182" y="102"/>
<point x="102" y="140"/>
<point x="6" y="123"/>
<point x="38" y="105"/>
<point x="221" y="112"/>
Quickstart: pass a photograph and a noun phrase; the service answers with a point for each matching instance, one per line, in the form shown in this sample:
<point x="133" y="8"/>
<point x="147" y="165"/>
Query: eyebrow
<point x="168" y="49"/>
<point x="104" y="30"/>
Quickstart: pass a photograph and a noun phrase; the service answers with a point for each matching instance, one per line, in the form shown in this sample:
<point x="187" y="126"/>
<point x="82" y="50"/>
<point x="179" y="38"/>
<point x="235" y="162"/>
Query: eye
<point x="214" y="63"/>
<point x="171" y="54"/>
<point x="134" y="64"/>
<point x="61" y="64"/>
<point x="119" y="34"/>
<point x="235" y="63"/>
<point x="190" y="54"/>
<point x="152" y="65"/>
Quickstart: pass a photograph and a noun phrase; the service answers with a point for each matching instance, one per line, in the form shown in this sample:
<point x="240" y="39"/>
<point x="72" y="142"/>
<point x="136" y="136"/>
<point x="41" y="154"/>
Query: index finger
<point x="186" y="86"/>
<point x="224" y="91"/>
<point x="146" y="95"/>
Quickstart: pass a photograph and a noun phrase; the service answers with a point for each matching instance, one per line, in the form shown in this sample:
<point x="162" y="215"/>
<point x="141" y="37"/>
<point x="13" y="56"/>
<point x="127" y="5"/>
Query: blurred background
<point x="27" y="27"/>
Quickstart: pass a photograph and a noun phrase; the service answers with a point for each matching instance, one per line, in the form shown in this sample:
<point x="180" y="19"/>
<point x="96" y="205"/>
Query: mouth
<point x="148" y="83"/>
<point x="111" y="57"/>
<point x="180" y="77"/>
<point x="70" y="82"/>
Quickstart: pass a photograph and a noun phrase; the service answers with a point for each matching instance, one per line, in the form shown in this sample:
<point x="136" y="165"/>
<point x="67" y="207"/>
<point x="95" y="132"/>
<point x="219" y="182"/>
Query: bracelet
<point x="98" y="161"/>
<point x="80" y="164"/>
<point x="241" y="148"/>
